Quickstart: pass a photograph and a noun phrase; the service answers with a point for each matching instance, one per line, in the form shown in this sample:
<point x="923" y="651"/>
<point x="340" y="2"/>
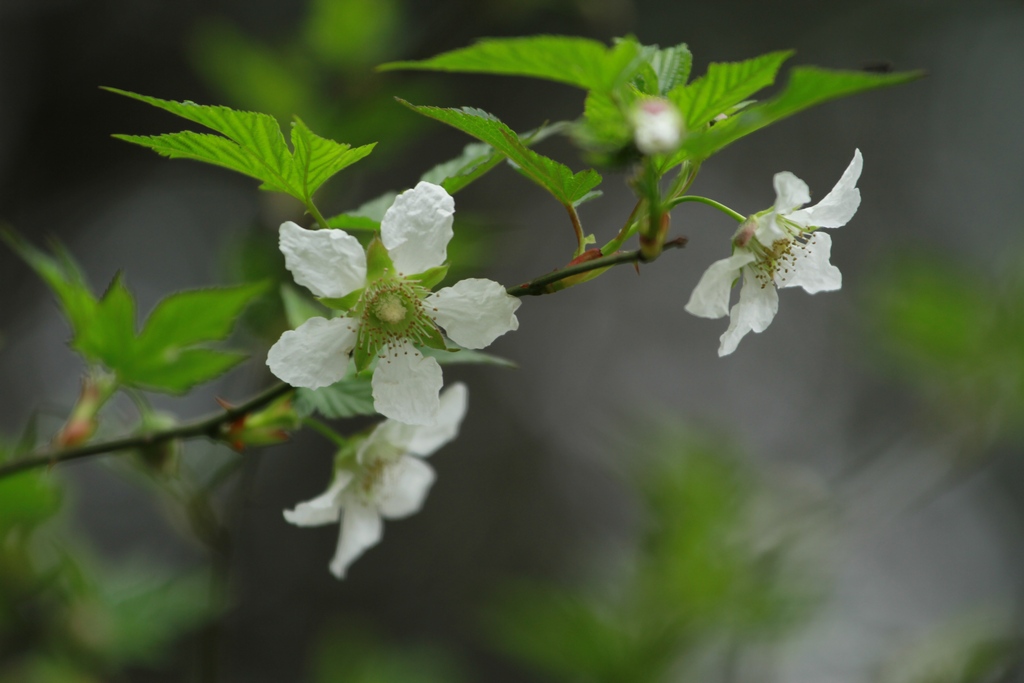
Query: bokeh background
<point x="839" y="500"/>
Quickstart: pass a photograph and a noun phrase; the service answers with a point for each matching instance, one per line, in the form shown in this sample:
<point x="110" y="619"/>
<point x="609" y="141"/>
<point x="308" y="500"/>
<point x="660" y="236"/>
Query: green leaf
<point x="807" y="87"/>
<point x="347" y="398"/>
<point x="319" y="159"/>
<point x="581" y="62"/>
<point x="177" y="370"/>
<point x="458" y="356"/>
<point x="26" y="500"/>
<point x="147" y="613"/>
<point x="252" y="145"/>
<point x="109" y="335"/>
<point x="671" y="66"/>
<point x="63" y="276"/>
<point x="476" y="159"/>
<point x="724" y="85"/>
<point x="195" y="316"/>
<point x="568" y="187"/>
<point x="210" y="149"/>
<point x="299" y="308"/>
<point x="161" y="357"/>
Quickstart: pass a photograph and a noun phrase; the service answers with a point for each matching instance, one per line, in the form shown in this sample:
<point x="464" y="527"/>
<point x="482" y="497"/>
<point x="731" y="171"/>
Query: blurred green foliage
<point x="956" y="337"/>
<point x="356" y="655"/>
<point x="66" y="618"/>
<point x="709" y="568"/>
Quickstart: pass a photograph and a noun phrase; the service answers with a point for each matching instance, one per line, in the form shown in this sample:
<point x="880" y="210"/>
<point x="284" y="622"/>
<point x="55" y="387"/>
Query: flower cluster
<point x="388" y="308"/>
<point x="777" y="248"/>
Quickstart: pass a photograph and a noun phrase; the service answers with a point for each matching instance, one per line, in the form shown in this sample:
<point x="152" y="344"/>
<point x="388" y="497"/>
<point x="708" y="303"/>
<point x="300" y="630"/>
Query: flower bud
<point x="268" y="426"/>
<point x="745" y="232"/>
<point x="657" y="126"/>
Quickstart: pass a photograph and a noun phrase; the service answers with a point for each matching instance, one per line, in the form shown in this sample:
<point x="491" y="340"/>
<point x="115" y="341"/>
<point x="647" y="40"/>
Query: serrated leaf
<point x="581" y="62"/>
<point x="252" y="145"/>
<point x="210" y="149"/>
<point x="671" y="66"/>
<point x="807" y="87"/>
<point x="160" y="358"/>
<point x="724" y="85"/>
<point x="566" y="186"/>
<point x="109" y="335"/>
<point x="63" y="276"/>
<point x="347" y="398"/>
<point x="177" y="370"/>
<point x="317" y="159"/>
<point x="195" y="316"/>
<point x="477" y="158"/>
<point x="257" y="136"/>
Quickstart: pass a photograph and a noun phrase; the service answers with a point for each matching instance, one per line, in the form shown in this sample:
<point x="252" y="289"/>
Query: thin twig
<point x="539" y="285"/>
<point x="210" y="427"/>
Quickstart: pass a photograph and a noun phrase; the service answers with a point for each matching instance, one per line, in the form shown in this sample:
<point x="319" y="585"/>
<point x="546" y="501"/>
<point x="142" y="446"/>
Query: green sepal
<point x="366" y="350"/>
<point x="345" y="303"/>
<point x="431" y="277"/>
<point x="346" y="455"/>
<point x="433" y="339"/>
<point x="378" y="261"/>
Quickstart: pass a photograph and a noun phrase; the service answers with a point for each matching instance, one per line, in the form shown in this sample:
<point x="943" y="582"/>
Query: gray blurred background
<point x="535" y="486"/>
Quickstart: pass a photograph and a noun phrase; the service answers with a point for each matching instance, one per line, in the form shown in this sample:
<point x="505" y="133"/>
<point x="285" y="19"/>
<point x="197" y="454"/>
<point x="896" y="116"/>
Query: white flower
<point x="386" y="478"/>
<point x="390" y="310"/>
<point x="777" y="248"/>
<point x="657" y="126"/>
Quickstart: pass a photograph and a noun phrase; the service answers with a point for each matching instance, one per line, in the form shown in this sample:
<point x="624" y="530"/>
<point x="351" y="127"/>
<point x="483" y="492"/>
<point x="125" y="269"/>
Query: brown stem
<point x="539" y="285"/>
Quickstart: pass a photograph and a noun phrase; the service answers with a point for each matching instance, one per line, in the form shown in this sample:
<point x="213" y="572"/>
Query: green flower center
<point x="391" y="311"/>
<point x="389" y="308"/>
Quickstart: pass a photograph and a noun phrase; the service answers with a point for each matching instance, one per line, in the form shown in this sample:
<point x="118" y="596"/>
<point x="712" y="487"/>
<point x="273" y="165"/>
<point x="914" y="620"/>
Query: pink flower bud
<point x="657" y="126"/>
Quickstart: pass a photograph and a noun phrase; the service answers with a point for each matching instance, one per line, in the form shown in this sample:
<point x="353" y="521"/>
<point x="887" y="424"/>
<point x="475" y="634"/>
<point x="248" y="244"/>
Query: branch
<point x="210" y="427"/>
<point x="539" y="285"/>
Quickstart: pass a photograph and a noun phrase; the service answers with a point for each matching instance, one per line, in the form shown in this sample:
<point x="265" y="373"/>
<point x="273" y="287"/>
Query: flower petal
<point x="474" y="312"/>
<point x="758" y="304"/>
<point x="314" y="354"/>
<point x="427" y="439"/>
<point x="361" y="528"/>
<point x="710" y="298"/>
<point x="838" y="206"/>
<point x="405" y="484"/>
<point x="405" y="385"/>
<point x="790" y="192"/>
<point x="421" y="440"/>
<point x="810" y="268"/>
<point x="325" y="508"/>
<point x="417" y="227"/>
<point x="328" y="263"/>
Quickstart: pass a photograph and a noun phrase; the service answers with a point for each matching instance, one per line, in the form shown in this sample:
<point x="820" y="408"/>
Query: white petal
<point x="710" y="298"/>
<point x="417" y="228"/>
<point x="427" y="439"/>
<point x="769" y="231"/>
<point x="838" y="206"/>
<point x="404" y="487"/>
<point x="790" y="192"/>
<point x="405" y="385"/>
<point x="326" y="262"/>
<point x="474" y="312"/>
<point x="361" y="528"/>
<point x="753" y="313"/>
<point x="324" y="509"/>
<point x="314" y="354"/>
<point x="810" y="268"/>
